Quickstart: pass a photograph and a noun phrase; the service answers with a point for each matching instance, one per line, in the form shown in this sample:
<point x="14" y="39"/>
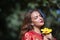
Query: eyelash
<point x="37" y="16"/>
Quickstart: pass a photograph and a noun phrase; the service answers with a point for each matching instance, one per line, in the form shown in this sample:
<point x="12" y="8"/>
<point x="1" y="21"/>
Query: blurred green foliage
<point x="12" y="14"/>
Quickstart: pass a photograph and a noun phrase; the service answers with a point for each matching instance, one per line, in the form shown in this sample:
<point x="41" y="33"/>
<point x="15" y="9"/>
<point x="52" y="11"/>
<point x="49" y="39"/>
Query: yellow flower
<point x="46" y="30"/>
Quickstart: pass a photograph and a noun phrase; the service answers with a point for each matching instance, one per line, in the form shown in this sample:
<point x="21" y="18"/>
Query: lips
<point x="41" y="21"/>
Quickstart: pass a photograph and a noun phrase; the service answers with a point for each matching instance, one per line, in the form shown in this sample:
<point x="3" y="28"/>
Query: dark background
<point x="12" y="13"/>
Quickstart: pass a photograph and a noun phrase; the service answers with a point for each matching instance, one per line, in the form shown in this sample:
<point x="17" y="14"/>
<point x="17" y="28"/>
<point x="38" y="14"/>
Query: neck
<point x="37" y="30"/>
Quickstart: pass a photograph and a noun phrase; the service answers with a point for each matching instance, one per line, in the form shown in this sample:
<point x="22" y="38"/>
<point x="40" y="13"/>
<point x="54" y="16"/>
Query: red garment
<point x="31" y="35"/>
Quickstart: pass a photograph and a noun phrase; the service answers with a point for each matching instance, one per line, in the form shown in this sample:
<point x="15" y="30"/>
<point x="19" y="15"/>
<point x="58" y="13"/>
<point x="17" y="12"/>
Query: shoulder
<point x="28" y="34"/>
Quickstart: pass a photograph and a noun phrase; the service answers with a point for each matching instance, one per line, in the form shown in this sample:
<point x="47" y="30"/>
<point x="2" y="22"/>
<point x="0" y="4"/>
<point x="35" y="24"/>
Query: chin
<point x="41" y="24"/>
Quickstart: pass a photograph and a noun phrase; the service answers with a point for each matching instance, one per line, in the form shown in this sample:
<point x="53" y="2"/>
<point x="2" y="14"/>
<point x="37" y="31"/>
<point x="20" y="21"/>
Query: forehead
<point x="35" y="13"/>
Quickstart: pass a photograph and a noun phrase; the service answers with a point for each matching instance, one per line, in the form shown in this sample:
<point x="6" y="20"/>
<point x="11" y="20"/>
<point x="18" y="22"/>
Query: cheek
<point x="37" y="23"/>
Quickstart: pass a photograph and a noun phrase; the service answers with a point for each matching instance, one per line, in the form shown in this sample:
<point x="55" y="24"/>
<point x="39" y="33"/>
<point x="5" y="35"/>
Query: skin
<point x="38" y="22"/>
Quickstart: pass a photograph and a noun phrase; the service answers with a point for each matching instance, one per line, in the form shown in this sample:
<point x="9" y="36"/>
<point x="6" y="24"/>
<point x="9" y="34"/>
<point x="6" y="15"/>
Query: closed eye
<point x="36" y="17"/>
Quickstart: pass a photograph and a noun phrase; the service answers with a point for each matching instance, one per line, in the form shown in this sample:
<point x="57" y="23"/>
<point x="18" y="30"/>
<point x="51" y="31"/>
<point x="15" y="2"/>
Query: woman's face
<point x="36" y="18"/>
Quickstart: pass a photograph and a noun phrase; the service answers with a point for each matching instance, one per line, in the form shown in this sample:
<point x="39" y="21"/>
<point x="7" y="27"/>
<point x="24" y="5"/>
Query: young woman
<point x="32" y="23"/>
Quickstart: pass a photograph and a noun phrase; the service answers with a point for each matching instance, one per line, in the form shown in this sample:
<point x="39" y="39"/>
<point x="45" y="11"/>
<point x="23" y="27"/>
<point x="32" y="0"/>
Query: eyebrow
<point x="37" y="16"/>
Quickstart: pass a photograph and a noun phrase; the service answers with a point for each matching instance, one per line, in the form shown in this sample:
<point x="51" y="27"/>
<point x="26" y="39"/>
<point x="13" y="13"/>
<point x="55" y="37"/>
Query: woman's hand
<point x="45" y="38"/>
<point x="48" y="37"/>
